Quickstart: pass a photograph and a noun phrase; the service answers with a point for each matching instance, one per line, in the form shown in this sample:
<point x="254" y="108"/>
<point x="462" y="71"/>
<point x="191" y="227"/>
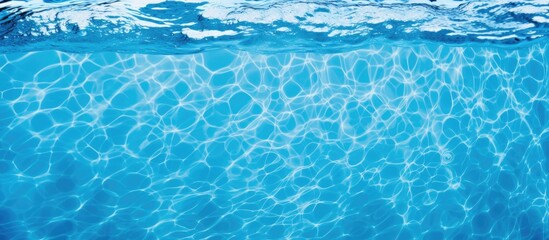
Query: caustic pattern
<point x="424" y="142"/>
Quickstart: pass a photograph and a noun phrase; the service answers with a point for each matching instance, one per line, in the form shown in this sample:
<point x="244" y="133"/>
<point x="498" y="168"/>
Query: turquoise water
<point x="386" y="139"/>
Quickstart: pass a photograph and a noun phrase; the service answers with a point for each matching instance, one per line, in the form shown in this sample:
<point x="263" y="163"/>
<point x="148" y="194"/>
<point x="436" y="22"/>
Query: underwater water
<point x="274" y="120"/>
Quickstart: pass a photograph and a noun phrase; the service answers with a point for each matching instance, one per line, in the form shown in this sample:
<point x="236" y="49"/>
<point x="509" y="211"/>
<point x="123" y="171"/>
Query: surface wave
<point x="155" y="26"/>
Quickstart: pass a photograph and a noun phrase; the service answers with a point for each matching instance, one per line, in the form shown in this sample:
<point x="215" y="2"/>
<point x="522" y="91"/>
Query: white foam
<point x="194" y="34"/>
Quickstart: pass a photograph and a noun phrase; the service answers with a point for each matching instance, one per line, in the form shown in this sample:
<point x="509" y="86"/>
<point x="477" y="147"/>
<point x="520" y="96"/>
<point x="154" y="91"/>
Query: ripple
<point x="170" y="27"/>
<point x="384" y="142"/>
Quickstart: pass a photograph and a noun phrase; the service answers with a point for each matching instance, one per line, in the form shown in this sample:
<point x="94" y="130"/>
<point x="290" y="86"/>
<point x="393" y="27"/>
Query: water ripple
<point x="386" y="142"/>
<point x="157" y="26"/>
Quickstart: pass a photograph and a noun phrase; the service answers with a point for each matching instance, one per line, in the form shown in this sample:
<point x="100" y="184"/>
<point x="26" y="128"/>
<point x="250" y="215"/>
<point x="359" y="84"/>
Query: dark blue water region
<point x="410" y="142"/>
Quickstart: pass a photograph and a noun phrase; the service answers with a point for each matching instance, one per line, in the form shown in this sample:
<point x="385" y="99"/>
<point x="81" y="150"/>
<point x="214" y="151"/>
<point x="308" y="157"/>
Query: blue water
<point x="434" y="136"/>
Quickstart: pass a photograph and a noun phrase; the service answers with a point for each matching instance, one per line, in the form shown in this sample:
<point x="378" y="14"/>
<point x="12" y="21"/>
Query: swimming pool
<point x="274" y="120"/>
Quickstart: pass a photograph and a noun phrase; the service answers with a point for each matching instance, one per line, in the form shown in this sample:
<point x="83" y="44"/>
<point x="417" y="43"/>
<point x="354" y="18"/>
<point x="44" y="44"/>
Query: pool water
<point x="423" y="141"/>
<point x="397" y="119"/>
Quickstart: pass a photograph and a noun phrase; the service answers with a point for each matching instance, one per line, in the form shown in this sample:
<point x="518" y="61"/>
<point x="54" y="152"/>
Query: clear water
<point x="303" y="135"/>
